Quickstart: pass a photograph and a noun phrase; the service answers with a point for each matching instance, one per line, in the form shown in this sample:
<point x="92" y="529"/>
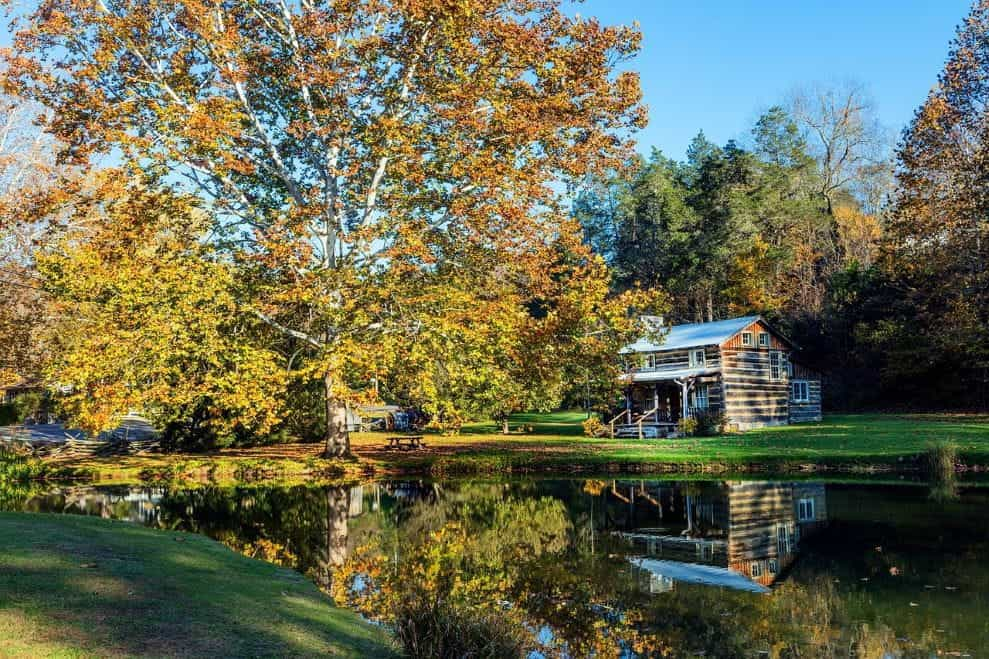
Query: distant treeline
<point x="872" y="260"/>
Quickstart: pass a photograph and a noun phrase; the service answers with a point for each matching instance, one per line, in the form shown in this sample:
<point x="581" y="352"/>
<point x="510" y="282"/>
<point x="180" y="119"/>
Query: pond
<point x="714" y="568"/>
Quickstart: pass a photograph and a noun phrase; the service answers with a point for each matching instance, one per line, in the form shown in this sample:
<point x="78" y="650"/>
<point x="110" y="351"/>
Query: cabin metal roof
<point x="694" y="335"/>
<point x="706" y="575"/>
<point x="662" y="375"/>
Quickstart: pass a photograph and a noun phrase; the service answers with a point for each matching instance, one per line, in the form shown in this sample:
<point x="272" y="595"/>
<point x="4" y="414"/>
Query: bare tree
<point x="850" y="144"/>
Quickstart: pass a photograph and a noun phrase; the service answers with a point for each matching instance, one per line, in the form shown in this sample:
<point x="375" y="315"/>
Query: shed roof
<point x="694" y="335"/>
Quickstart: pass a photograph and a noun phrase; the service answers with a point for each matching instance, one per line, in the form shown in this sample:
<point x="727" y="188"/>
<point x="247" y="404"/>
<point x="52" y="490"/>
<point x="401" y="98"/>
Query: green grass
<point x="542" y="423"/>
<point x="846" y="442"/>
<point x="79" y="587"/>
<point x="842" y="443"/>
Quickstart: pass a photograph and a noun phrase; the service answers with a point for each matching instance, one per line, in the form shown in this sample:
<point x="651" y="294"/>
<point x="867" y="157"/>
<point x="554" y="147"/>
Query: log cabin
<point x="742" y="367"/>
<point x="738" y="535"/>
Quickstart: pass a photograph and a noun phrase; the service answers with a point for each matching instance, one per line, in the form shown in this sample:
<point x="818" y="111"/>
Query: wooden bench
<point x="406" y="442"/>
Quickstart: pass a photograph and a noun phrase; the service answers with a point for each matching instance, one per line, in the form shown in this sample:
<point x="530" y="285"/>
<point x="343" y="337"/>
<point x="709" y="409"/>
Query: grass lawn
<point x="556" y="443"/>
<point x="74" y="586"/>
<point x="840" y="441"/>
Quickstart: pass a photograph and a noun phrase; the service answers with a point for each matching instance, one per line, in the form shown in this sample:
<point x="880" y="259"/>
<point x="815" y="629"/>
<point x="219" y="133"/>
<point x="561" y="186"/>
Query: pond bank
<point x="91" y="587"/>
<point x="849" y="444"/>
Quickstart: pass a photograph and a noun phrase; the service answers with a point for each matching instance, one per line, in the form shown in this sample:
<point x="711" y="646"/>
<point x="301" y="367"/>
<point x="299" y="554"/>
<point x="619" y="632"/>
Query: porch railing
<point x="629" y="418"/>
<point x="642" y="419"/>
<point x="611" y="424"/>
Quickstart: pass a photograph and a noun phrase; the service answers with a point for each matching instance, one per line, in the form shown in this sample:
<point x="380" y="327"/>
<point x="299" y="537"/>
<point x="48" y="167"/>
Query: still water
<point x="710" y="568"/>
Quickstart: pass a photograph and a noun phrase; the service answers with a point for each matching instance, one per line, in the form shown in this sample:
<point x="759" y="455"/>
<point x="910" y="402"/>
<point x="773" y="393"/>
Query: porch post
<point x="685" y="392"/>
<point x="655" y="401"/>
<point x="628" y="403"/>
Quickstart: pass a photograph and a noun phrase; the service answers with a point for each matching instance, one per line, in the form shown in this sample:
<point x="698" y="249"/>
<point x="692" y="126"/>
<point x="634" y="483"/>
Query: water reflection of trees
<point x="546" y="558"/>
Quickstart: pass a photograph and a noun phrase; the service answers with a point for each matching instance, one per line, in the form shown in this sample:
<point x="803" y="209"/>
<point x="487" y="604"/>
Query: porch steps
<point x="627" y="431"/>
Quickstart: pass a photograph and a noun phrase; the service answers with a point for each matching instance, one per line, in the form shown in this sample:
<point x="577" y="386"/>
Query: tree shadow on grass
<point x="111" y="589"/>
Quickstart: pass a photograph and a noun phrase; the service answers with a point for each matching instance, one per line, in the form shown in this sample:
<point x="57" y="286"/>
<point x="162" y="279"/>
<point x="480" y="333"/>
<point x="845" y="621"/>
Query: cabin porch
<point x="653" y="409"/>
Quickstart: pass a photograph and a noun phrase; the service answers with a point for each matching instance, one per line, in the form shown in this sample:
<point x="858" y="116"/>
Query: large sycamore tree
<point x="383" y="172"/>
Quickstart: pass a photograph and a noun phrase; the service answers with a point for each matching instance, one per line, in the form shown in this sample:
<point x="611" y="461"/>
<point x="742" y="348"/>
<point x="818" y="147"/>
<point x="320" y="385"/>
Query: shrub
<point x="448" y="427"/>
<point x="593" y="427"/>
<point x="939" y="461"/>
<point x="16" y="468"/>
<point x="687" y="426"/>
<point x="437" y="629"/>
<point x="709" y="423"/>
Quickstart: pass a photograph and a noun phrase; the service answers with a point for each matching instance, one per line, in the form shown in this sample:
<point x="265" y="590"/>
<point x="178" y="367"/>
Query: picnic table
<point x="406" y="442"/>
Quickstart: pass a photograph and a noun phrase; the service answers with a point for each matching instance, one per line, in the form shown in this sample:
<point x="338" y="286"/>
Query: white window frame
<point x="699" y="398"/>
<point x="806" y="511"/>
<point x="697" y="358"/>
<point x="764" y="343"/>
<point x="776" y="370"/>
<point x="755" y="569"/>
<point x="648" y="360"/>
<point x="783" y="535"/>
<point x="773" y="567"/>
<point x="747" y="339"/>
<point x="704" y="551"/>
<point x="804" y="395"/>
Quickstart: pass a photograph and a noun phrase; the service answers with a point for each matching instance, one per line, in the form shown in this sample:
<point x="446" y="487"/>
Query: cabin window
<point x="774" y="566"/>
<point x="755" y="569"/>
<point x="782" y="539"/>
<point x="746" y="338"/>
<point x="704" y="551"/>
<point x="697" y="357"/>
<point x="648" y="361"/>
<point x="701" y="397"/>
<point x="801" y="391"/>
<point x="775" y="365"/>
<point x="763" y="339"/>
<point x="805" y="510"/>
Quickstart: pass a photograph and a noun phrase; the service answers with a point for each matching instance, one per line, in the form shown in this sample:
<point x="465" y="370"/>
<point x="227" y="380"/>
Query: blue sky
<point x="715" y="64"/>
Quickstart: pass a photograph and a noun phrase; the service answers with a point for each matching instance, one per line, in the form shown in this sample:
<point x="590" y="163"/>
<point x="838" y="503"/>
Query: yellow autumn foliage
<point x="145" y="317"/>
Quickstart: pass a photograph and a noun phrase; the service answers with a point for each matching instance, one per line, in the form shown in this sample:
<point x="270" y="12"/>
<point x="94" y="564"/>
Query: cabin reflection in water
<point x="740" y="535"/>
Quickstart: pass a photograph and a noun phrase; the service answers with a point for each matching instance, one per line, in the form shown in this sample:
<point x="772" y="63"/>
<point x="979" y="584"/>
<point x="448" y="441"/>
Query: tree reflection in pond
<point x="726" y="568"/>
<point x="483" y="552"/>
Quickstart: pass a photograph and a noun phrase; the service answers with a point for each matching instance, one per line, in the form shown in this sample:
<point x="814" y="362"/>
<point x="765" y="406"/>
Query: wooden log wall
<point x="752" y="398"/>
<point x="757" y="512"/>
<point x="811" y="410"/>
<point x="775" y="343"/>
<point x="677" y="359"/>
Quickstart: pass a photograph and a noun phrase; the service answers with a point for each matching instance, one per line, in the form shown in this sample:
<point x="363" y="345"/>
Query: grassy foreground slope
<point x="77" y="587"/>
